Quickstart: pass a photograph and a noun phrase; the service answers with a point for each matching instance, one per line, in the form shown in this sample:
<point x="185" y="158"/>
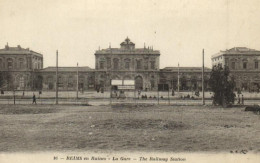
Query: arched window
<point x="244" y="63"/>
<point x="10" y="63"/>
<point x="139" y="83"/>
<point x="116" y="63"/>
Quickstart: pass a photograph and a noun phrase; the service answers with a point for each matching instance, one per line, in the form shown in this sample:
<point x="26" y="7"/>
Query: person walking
<point x="34" y="99"/>
<point x="242" y="100"/>
<point x="238" y="102"/>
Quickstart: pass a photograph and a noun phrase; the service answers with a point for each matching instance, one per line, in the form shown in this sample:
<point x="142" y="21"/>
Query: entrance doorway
<point x="139" y="83"/>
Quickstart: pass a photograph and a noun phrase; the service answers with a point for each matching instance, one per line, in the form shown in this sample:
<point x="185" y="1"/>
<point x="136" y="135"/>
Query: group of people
<point x="187" y="97"/>
<point x="145" y="97"/>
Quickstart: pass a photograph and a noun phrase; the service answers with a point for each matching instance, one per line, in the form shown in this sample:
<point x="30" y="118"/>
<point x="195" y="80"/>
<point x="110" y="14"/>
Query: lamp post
<point x="57" y="82"/>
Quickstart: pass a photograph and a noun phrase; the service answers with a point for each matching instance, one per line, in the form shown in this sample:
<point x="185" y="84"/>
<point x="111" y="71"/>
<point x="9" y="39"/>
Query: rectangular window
<point x="153" y="65"/>
<point x="244" y="65"/>
<point x="127" y="65"/>
<point x="256" y="65"/>
<point x="108" y="62"/>
<point x="70" y="82"/>
<point x="116" y="64"/>
<point x="138" y="65"/>
<point x="146" y="65"/>
<point x="233" y="65"/>
<point x="152" y="84"/>
<point x="101" y="66"/>
<point x="10" y="65"/>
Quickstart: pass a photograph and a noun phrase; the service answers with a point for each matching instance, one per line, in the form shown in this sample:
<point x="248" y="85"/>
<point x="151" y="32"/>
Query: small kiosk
<point x="120" y="87"/>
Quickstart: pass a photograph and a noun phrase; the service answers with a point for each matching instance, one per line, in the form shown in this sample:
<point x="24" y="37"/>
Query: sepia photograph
<point x="129" y="81"/>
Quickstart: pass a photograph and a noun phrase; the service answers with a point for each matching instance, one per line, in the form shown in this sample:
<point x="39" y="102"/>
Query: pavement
<point x="97" y="99"/>
<point x="99" y="102"/>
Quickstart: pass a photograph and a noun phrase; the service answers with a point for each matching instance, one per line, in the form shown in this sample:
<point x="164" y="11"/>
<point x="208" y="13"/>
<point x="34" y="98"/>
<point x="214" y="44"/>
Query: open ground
<point x="128" y="128"/>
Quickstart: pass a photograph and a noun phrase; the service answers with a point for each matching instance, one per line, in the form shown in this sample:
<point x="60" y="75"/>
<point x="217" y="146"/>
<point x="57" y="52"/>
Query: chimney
<point x="19" y="47"/>
<point x="6" y="46"/>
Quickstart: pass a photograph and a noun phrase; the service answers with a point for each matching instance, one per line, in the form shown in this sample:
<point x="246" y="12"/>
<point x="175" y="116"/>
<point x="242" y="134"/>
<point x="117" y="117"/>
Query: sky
<point x="180" y="29"/>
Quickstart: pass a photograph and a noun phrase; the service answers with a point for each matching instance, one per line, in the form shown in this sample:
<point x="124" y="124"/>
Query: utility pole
<point x="57" y="79"/>
<point x="77" y="81"/>
<point x="203" y="94"/>
<point x="178" y="78"/>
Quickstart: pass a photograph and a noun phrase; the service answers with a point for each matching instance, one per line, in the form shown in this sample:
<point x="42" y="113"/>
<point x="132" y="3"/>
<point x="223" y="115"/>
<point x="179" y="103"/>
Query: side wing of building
<point x="243" y="64"/>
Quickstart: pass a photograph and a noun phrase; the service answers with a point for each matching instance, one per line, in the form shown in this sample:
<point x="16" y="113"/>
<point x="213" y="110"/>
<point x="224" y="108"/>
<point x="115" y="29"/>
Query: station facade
<point x="22" y="69"/>
<point x="128" y="63"/>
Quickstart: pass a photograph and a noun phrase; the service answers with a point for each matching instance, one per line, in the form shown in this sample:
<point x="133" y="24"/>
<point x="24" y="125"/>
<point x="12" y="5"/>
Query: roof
<point x="128" y="47"/>
<point x="128" y="51"/>
<point x="18" y="50"/>
<point x="236" y="51"/>
<point x="67" y="69"/>
<point x="184" y="69"/>
<point x="240" y="49"/>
